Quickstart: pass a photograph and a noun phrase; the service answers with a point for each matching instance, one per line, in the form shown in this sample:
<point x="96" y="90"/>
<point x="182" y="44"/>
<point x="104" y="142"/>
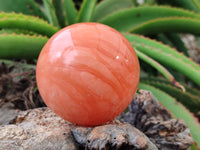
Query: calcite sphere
<point x="87" y="73"/>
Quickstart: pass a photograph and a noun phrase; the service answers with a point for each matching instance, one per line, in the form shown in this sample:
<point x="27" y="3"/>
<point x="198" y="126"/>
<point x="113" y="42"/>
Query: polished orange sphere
<point x="87" y="73"/>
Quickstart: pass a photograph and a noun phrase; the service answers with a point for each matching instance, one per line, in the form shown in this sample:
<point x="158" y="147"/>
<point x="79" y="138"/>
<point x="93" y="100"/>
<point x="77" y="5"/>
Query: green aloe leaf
<point x="29" y="7"/>
<point x="171" y="61"/>
<point x="164" y="39"/>
<point x="176" y="109"/>
<point x="15" y="46"/>
<point x="107" y="7"/>
<point x="86" y="11"/>
<point x="194" y="147"/>
<point x="193" y="5"/>
<point x="18" y="31"/>
<point x="173" y="40"/>
<point x="25" y="22"/>
<point x="50" y="12"/>
<point x="158" y="45"/>
<point x="126" y="20"/>
<point x="166" y="55"/>
<point x="178" y="43"/>
<point x="168" y="24"/>
<point x="156" y="65"/>
<point x="58" y="5"/>
<point x="191" y="90"/>
<point x="70" y="11"/>
<point x="192" y="102"/>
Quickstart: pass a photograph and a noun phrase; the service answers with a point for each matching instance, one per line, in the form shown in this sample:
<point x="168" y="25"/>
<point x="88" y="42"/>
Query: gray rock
<point x="37" y="129"/>
<point x="7" y="113"/>
<point x="146" y="114"/>
<point x="114" y="135"/>
<point x="41" y="129"/>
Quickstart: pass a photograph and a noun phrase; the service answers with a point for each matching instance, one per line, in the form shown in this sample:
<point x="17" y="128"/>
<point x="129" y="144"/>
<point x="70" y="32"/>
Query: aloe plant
<point x="26" y="26"/>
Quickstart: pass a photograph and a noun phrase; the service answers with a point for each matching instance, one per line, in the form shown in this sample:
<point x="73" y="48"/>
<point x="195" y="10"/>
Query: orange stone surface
<point x="87" y="73"/>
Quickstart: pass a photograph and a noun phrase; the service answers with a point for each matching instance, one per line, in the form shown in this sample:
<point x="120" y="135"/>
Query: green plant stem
<point x="178" y="43"/>
<point x="50" y="12"/>
<point x="192" y="102"/>
<point x="86" y="11"/>
<point x="70" y="11"/>
<point x="159" y="67"/>
<point x="59" y="12"/>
